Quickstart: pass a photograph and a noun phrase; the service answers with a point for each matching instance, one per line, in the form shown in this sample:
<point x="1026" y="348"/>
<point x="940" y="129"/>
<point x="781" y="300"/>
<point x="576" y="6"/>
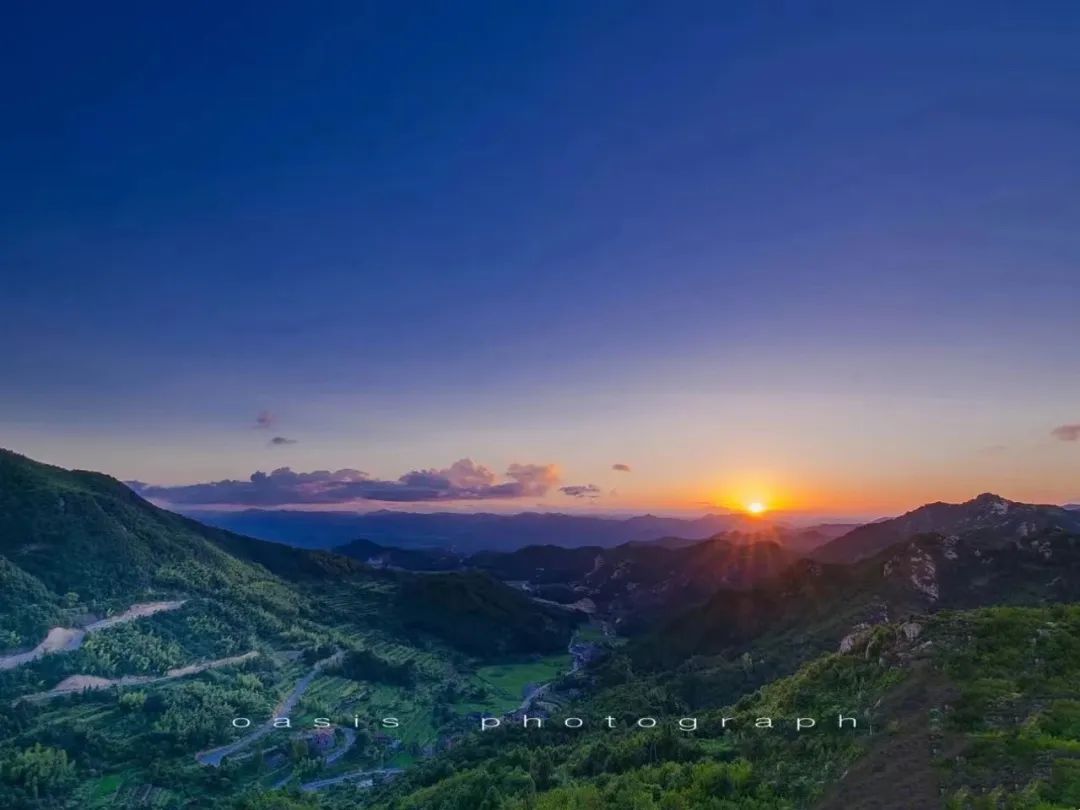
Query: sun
<point x="755" y="507"/>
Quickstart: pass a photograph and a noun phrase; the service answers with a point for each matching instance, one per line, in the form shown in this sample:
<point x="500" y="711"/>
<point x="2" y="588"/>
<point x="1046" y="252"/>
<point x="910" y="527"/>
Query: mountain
<point x="163" y="629"/>
<point x="957" y="652"/>
<point x="636" y="583"/>
<point x="465" y="533"/>
<point x="805" y="540"/>
<point x="82" y="539"/>
<point x="632" y="584"/>
<point x="484" y="618"/>
<point x="75" y="541"/>
<point x="160" y="627"/>
<point x="813" y="606"/>
<point x="987" y="512"/>
<point x="406" y="559"/>
<point x="958" y="655"/>
<point x="966" y="709"/>
<point x="798" y="540"/>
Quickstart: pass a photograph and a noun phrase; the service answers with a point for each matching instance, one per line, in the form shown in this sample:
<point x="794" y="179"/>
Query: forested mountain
<point x="637" y="583"/>
<point x="633" y="584"/>
<point x="86" y="542"/>
<point x="819" y="603"/>
<point x="162" y="630"/>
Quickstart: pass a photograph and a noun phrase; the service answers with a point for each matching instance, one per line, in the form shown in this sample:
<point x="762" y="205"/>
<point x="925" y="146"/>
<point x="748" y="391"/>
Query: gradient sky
<point x="827" y="259"/>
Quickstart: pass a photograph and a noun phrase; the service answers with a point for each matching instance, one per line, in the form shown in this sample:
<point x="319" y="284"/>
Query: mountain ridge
<point x="77" y="540"/>
<point x="985" y="511"/>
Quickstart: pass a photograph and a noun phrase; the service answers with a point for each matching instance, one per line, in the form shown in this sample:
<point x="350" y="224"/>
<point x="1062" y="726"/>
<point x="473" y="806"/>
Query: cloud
<point x="534" y="479"/>
<point x="621" y="467"/>
<point x="464" y="480"/>
<point x="277" y="441"/>
<point x="581" y="491"/>
<point x="1066" y="433"/>
<point x="264" y="420"/>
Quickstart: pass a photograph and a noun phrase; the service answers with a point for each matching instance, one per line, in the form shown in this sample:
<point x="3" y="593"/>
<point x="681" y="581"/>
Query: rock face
<point x="948" y="548"/>
<point x="915" y="564"/>
<point x="924" y="574"/>
<point x="856" y="639"/>
<point x="979" y="567"/>
<point x="911" y="630"/>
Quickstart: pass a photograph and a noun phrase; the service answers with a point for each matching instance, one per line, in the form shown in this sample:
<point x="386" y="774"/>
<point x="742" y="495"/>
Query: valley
<point x="955" y="647"/>
<point x="239" y="628"/>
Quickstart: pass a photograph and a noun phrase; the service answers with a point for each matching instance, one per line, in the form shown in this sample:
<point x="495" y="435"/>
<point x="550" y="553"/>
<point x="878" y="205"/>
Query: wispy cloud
<point x="581" y="491"/>
<point x="265" y="420"/>
<point x="277" y="441"/>
<point x="621" y="467"/>
<point x="1067" y="433"/>
<point x="464" y="480"/>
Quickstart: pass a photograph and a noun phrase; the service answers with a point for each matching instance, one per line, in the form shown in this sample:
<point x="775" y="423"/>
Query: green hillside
<point x="974" y="709"/>
<point x="481" y="616"/>
<point x="163" y="630"/>
<point x="94" y="546"/>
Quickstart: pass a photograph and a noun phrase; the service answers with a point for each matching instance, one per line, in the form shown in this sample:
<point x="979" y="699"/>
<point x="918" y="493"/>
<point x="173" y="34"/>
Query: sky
<point x="487" y="255"/>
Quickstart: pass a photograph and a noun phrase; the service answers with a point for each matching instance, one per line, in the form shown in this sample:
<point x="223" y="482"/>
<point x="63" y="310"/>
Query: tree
<point x="492" y="800"/>
<point x="543" y="769"/>
<point x="41" y="771"/>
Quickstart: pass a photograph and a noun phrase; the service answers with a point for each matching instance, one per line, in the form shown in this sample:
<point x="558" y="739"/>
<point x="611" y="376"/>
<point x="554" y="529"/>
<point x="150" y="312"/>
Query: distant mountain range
<point x="467" y="533"/>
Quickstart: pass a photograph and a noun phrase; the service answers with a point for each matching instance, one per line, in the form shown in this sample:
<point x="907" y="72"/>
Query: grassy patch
<point x="507" y="682"/>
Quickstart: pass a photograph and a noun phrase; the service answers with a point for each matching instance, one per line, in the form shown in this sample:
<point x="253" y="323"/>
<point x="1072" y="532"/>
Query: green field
<point x="105" y="787"/>
<point x="506" y="682"/>
<point x="590" y="633"/>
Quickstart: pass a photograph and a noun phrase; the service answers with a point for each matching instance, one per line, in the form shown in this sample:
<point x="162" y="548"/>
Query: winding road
<point x="329" y="759"/>
<point x="67" y="639"/>
<point x="579" y="656"/>
<point x="85" y="683"/>
<point x="319" y="784"/>
<point x="214" y="756"/>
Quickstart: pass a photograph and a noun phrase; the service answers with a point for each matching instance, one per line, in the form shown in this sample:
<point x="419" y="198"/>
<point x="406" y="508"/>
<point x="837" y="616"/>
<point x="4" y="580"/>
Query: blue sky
<point x="826" y="258"/>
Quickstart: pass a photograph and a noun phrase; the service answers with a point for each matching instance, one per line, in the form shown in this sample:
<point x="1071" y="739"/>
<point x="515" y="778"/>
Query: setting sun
<point x="755" y="508"/>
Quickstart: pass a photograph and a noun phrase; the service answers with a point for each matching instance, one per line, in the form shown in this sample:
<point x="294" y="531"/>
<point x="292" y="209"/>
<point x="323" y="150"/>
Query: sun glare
<point x="755" y="508"/>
